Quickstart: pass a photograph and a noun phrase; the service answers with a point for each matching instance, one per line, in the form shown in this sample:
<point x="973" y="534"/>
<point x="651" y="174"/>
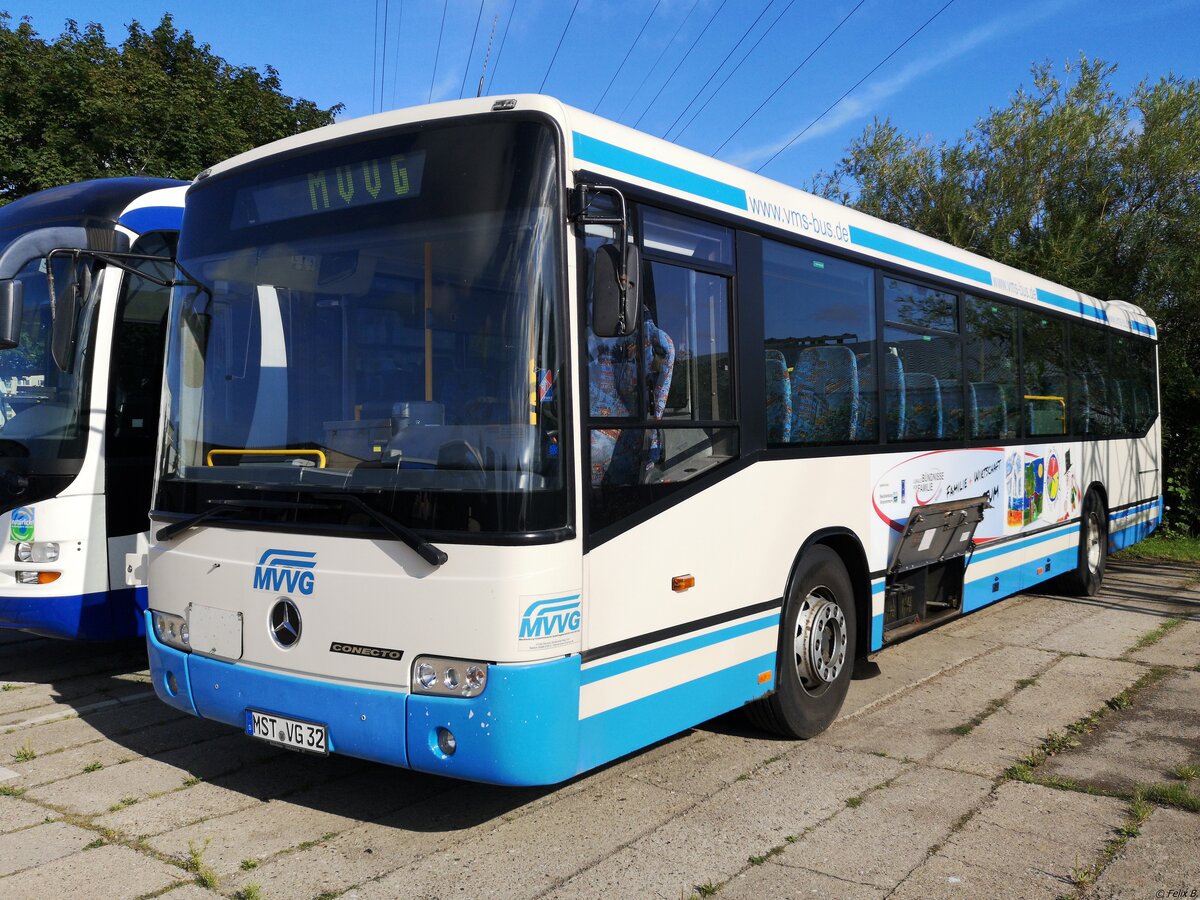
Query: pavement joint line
<point x="81" y="711"/>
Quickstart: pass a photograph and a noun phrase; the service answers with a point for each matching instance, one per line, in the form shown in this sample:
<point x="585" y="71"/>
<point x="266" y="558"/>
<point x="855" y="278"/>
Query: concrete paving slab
<point x="1162" y="857"/>
<point x="707" y="761"/>
<point x="892" y="831"/>
<point x="15" y="705"/>
<point x="1180" y="648"/>
<point x="917" y="724"/>
<point x="110" y="872"/>
<point x="93" y="793"/>
<point x="1073" y="687"/>
<point x="789" y="883"/>
<point x="942" y="878"/>
<point x="755" y="814"/>
<point x="112" y="722"/>
<point x="910" y="663"/>
<point x="16" y="813"/>
<point x="1141" y="744"/>
<point x="34" y="846"/>
<point x="192" y="892"/>
<point x="1109" y="634"/>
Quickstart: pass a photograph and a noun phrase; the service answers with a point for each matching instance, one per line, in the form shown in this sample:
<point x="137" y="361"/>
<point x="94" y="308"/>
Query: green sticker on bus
<point x="21" y="524"/>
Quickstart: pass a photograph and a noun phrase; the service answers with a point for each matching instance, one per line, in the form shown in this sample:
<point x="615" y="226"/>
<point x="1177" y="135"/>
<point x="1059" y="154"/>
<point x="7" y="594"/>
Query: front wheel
<point x="1088" y="574"/>
<point x="816" y="649"/>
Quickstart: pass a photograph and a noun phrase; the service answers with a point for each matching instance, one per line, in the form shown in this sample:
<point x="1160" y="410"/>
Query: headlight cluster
<point x="41" y="552"/>
<point x="448" y="677"/>
<point x="172" y="630"/>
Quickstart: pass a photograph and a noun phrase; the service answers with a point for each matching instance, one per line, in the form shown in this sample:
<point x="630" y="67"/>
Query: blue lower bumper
<point x="523" y="729"/>
<point x="101" y="615"/>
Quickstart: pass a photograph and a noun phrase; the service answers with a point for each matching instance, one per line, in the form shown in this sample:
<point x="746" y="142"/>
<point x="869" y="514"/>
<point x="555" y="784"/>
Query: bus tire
<point x="816" y="649"/>
<point x="1086" y="578"/>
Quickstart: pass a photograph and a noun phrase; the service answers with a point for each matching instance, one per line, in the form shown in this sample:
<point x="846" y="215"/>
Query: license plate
<point x="291" y="733"/>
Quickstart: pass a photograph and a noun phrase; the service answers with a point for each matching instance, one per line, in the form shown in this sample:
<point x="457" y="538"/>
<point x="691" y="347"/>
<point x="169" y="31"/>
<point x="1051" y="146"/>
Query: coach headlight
<point x="42" y="551"/>
<point x="172" y="630"/>
<point x="448" y="677"/>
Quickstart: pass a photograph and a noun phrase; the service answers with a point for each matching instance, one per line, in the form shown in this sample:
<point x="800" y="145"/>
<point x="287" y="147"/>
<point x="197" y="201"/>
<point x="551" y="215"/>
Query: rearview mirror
<point x="11" y="308"/>
<point x="615" y="304"/>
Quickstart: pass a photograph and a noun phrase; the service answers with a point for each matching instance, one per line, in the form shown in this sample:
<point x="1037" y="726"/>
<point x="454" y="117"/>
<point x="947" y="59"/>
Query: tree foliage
<point x="1079" y="184"/>
<point x="160" y="104"/>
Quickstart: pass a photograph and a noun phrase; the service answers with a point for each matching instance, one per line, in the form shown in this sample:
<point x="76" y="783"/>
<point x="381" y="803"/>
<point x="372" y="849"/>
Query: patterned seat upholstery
<point x="825" y="396"/>
<point x="923" y="400"/>
<point x="989" y="412"/>
<point x="622" y="455"/>
<point x="779" y="399"/>
<point x="893" y="385"/>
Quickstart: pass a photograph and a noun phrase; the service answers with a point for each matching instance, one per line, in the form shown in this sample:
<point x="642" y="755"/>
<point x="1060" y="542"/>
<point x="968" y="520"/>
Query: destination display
<point x="382" y="179"/>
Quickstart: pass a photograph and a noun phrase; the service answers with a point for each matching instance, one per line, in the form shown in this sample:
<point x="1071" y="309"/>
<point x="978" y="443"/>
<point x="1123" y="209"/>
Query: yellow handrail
<point x="319" y="454"/>
<point x="1061" y="401"/>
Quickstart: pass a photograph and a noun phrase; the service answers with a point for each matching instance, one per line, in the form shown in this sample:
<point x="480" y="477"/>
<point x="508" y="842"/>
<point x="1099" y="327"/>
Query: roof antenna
<point x="487" y="56"/>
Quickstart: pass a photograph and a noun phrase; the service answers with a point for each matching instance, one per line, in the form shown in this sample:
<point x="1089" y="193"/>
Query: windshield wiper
<point x="223" y="506"/>
<point x="435" y="556"/>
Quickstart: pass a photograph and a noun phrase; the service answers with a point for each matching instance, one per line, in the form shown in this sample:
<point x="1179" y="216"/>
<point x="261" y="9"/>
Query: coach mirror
<point x="11" y="307"/>
<point x="615" y="275"/>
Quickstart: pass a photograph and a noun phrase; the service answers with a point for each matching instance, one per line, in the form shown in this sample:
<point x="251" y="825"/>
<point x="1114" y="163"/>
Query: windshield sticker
<point x="549" y="623"/>
<point x="21" y="525"/>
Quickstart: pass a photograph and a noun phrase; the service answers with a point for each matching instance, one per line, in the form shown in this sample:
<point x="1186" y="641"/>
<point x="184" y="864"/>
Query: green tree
<point x="160" y="104"/>
<point x="1079" y="184"/>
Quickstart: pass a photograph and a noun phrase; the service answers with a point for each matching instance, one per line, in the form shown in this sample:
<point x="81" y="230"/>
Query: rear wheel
<point x="816" y="652"/>
<point x="1093" y="549"/>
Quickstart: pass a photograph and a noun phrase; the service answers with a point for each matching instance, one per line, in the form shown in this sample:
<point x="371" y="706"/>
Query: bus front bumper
<point x="98" y="616"/>
<point x="522" y="730"/>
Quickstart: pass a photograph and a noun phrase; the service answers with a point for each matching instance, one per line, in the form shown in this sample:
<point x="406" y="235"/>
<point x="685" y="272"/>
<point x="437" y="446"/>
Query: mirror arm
<point x="583" y="190"/>
<point x="113" y="259"/>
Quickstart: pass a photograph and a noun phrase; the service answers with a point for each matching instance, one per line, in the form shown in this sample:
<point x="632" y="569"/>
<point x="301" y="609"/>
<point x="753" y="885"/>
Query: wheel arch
<point x="849" y="548"/>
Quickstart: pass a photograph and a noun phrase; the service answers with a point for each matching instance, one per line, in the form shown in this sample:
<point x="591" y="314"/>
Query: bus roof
<point x="608" y="148"/>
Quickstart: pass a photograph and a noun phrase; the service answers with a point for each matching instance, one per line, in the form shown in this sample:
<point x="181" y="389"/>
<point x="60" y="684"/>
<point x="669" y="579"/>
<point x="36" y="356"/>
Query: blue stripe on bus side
<point x="901" y="250"/>
<point x="611" y="156"/>
<point x="988" y="552"/>
<point x="153" y="218"/>
<point x="1074" y="306"/>
<point x="1138" y="327"/>
<point x="658" y="654"/>
<point x="1134" y="510"/>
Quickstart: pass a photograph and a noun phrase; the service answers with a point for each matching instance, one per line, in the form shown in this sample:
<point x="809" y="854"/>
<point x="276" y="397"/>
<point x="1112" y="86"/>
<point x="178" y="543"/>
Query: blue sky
<point x="972" y="56"/>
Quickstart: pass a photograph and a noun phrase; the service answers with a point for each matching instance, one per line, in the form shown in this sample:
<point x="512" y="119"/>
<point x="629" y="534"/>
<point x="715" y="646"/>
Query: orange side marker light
<point x="681" y="583"/>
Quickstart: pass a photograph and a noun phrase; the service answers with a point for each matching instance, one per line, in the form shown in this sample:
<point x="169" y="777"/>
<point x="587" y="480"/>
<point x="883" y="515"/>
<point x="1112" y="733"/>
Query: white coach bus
<point x="500" y="440"/>
<point x="80" y="383"/>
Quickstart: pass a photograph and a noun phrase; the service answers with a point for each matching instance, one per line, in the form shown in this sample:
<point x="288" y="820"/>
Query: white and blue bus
<point x="501" y="440"/>
<point x="80" y="383"/>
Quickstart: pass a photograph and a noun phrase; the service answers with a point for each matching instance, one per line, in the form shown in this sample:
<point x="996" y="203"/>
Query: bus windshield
<point x="43" y="411"/>
<point x="379" y="318"/>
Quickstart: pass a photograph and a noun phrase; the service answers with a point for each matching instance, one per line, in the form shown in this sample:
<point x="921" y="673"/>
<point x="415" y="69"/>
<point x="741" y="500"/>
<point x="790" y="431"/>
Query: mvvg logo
<point x="288" y="571"/>
<point x="554" y="618"/>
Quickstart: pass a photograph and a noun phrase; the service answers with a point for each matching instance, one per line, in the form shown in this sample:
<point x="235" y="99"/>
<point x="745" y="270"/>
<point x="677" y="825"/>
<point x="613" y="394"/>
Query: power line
<point x="666" y="46"/>
<point x="856" y="84"/>
<point x="500" y="52"/>
<point x="383" y="58"/>
<point x="396" y="68"/>
<point x="437" y="55"/>
<point x="612" y="80"/>
<point x="559" y="47"/>
<point x="790" y="77"/>
<point x="375" y="56"/>
<point x="724" y="81"/>
<point x="718" y="68"/>
<point x="471" y="52"/>
<point x="695" y="43"/>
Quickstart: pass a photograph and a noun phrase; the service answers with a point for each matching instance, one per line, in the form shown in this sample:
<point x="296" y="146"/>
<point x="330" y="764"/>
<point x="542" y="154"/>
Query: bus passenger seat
<point x="779" y="400"/>
<point x="825" y="396"/>
<point x="989" y="412"/>
<point x="893" y="384"/>
<point x="924" y="400"/>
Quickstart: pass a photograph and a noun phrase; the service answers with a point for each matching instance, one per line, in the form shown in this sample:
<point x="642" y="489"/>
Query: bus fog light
<point x="24" y="552"/>
<point x="171" y="630"/>
<point x="446" y="741"/>
<point x="46" y="552"/>
<point x="172" y="684"/>
<point x="448" y="677"/>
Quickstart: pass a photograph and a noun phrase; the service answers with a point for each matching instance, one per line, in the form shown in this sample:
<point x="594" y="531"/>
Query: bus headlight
<point x="172" y="630"/>
<point x="448" y="677"/>
<point x="46" y="551"/>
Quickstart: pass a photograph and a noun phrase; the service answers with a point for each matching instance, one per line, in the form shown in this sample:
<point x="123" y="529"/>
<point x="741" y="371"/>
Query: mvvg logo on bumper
<point x="286" y="571"/>
<point x="548" y="623"/>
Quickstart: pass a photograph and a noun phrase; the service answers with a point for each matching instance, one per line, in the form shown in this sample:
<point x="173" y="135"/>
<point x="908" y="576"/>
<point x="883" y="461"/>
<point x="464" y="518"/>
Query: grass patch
<point x="708" y="889"/>
<point x="93" y="766"/>
<point x="248" y="864"/>
<point x="1155" y="635"/>
<point x="1023" y="683"/>
<point x="854" y="802"/>
<point x="963" y="730"/>
<point x="188" y="782"/>
<point x="7" y="686"/>
<point x="25" y="753"/>
<point x="1176" y="795"/>
<point x="98" y="842"/>
<point x="205" y="876"/>
<point x="1176" y="548"/>
<point x="1187" y="773"/>
<point x="759" y="860"/>
<point x="122" y="803"/>
<point x="7" y="790"/>
<point x="993" y="706"/>
<point x="249" y="892"/>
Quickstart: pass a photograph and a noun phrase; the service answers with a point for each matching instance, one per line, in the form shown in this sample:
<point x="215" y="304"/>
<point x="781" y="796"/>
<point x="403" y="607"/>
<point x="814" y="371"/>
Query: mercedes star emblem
<point x="285" y="623"/>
